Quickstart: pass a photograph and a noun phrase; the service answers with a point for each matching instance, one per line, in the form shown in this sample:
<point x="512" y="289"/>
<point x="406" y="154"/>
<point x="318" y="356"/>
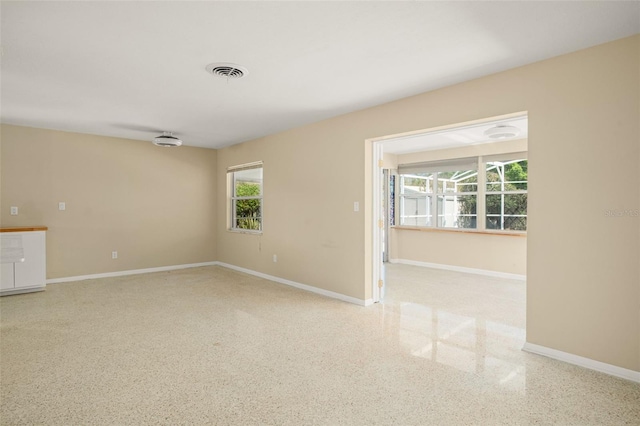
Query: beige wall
<point x="583" y="289"/>
<point x="155" y="206"/>
<point x="309" y="220"/>
<point x="498" y="253"/>
<point x="389" y="161"/>
<point x="517" y="145"/>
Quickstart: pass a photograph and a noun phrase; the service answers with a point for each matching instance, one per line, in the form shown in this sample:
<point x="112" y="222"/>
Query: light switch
<point x="14" y="211"/>
<point x="62" y="206"/>
<point x="356" y="206"/>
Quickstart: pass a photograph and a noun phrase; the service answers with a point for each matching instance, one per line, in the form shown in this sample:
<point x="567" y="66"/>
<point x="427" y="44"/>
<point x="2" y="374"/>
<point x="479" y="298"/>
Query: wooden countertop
<point x="460" y="231"/>
<point x="22" y="228"/>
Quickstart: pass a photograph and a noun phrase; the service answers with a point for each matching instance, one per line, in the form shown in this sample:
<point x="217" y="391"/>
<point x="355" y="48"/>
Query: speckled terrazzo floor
<point x="213" y="346"/>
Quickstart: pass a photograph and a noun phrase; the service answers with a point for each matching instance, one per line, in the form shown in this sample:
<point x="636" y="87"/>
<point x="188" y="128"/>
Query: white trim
<point x="306" y="287"/>
<point x="485" y="272"/>
<point x="13" y="291"/>
<point x="312" y="289"/>
<point x="377" y="274"/>
<point x="580" y="361"/>
<point x="130" y="272"/>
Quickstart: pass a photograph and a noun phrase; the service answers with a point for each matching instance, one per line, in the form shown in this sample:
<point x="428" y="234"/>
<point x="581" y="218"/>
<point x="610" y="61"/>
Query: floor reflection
<point x="468" y="322"/>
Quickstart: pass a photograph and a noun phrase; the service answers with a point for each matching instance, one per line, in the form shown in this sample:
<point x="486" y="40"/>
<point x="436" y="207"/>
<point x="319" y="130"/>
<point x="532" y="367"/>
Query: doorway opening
<point x="449" y="210"/>
<point x="452" y="198"/>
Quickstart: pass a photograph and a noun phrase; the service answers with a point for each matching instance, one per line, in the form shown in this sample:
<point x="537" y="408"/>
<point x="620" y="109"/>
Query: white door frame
<point x="376" y="206"/>
<point x="376" y="209"/>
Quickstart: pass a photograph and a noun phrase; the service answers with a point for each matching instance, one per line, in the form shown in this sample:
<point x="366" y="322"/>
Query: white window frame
<point x="503" y="192"/>
<point x="437" y="195"/>
<point x="233" y="198"/>
<point x="433" y="214"/>
<point x="402" y="196"/>
<point x="480" y="166"/>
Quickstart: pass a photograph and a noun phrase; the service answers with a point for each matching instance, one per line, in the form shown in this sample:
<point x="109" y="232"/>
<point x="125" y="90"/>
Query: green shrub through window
<point x="246" y="197"/>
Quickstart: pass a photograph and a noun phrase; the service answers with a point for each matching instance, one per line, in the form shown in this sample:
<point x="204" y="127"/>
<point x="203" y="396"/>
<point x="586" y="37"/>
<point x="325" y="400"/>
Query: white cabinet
<point x="30" y="274"/>
<point x="6" y="276"/>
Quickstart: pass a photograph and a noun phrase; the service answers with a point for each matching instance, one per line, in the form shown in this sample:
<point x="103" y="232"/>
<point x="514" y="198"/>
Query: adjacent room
<point x="394" y="213"/>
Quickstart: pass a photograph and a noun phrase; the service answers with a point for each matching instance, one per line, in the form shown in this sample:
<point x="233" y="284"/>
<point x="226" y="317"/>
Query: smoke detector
<point x="502" y="132"/>
<point x="167" y="140"/>
<point x="227" y="70"/>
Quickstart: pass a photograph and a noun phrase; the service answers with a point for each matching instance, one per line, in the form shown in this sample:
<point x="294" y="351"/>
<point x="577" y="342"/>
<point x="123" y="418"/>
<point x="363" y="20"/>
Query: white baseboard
<point x="580" y="361"/>
<point x="312" y="289"/>
<point x="130" y="272"/>
<point x="306" y="287"/>
<point x="485" y="272"/>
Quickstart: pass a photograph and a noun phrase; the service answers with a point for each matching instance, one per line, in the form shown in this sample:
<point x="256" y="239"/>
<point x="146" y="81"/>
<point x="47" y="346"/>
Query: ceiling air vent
<point x="502" y="132"/>
<point x="227" y="70"/>
<point x="167" y="140"/>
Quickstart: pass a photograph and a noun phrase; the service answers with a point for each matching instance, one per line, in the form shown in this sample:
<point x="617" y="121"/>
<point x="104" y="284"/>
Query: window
<point x="457" y="195"/>
<point x="506" y="201"/>
<point x="245" y="195"/>
<point x="416" y="194"/>
<point x="447" y="194"/>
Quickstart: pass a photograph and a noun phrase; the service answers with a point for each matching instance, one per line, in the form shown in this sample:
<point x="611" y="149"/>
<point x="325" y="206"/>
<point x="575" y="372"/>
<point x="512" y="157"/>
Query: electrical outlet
<point x="114" y="254"/>
<point x="275" y="258"/>
<point x="356" y="206"/>
<point x="14" y="211"/>
<point x="62" y="206"/>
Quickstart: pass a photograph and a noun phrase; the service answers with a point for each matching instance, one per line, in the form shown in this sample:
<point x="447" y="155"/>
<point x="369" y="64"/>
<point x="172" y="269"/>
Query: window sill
<point x="244" y="231"/>
<point x="462" y="231"/>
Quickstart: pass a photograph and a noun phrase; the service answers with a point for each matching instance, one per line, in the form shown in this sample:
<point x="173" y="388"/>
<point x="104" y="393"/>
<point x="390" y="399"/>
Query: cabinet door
<point x="6" y="276"/>
<point x="32" y="272"/>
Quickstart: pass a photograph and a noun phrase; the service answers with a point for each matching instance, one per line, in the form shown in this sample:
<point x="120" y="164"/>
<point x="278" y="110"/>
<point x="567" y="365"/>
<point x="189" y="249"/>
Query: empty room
<point x="329" y="213"/>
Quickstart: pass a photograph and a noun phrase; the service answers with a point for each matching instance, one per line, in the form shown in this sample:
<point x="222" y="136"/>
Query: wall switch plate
<point x="356" y="206"/>
<point x="114" y="254"/>
<point x="275" y="258"/>
<point x="62" y="206"/>
<point x="14" y="211"/>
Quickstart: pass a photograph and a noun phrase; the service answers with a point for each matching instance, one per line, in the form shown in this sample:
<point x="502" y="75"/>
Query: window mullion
<point x="401" y="200"/>
<point x="234" y="221"/>
<point x="481" y="204"/>
<point x="434" y="202"/>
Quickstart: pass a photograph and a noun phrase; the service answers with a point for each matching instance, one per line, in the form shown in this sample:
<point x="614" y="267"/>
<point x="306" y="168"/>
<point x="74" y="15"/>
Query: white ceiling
<point x="134" y="69"/>
<point x="454" y="137"/>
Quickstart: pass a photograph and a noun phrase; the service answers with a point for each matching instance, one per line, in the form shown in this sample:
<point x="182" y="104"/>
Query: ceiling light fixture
<point x="227" y="70"/>
<point x="167" y="140"/>
<point x="502" y="132"/>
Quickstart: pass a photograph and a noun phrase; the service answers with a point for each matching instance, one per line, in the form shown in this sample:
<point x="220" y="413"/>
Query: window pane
<point x="457" y="181"/>
<point x="467" y="187"/>
<point x="515" y="223"/>
<point x="417" y="184"/>
<point x="248" y="214"/>
<point x="507" y="223"/>
<point x="507" y="211"/>
<point x="248" y="182"/>
<point x="494" y="204"/>
<point x="457" y="211"/>
<point x="392" y="200"/>
<point x="507" y="176"/>
<point x="415" y="211"/>
<point x="492" y="187"/>
<point x="515" y="204"/>
<point x="508" y="204"/>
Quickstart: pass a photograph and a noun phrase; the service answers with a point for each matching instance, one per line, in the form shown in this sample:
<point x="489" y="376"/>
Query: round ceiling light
<point x="227" y="70"/>
<point x="502" y="132"/>
<point x="167" y="140"/>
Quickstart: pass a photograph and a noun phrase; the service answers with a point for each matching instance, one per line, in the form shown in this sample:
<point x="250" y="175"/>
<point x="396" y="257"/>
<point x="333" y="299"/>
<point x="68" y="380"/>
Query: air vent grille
<point x="167" y="140"/>
<point x="227" y="70"/>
